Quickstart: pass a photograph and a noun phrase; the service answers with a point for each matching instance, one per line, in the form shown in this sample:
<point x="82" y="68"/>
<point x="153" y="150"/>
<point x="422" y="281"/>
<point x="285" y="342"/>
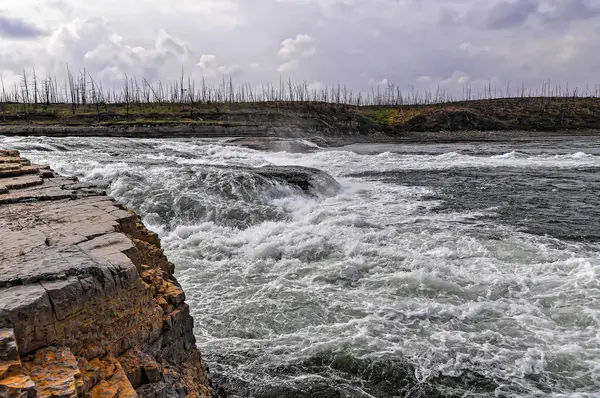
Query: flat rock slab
<point x="9" y="166"/>
<point x="60" y="239"/>
<point x="9" y="160"/>
<point x="24" y="181"/>
<point x="18" y="172"/>
<point x="49" y="189"/>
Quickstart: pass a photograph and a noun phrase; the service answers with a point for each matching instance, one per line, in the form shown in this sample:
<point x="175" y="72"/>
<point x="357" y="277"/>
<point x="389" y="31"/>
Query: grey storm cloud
<point x="572" y="10"/>
<point x="508" y="14"/>
<point x="18" y="29"/>
<point x="512" y="14"/>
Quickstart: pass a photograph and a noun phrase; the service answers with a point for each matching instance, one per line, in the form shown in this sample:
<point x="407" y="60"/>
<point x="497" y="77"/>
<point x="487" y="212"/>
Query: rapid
<point x="372" y="270"/>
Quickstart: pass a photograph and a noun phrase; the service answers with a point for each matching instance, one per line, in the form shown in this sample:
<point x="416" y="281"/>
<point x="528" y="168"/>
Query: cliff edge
<point x="89" y="305"/>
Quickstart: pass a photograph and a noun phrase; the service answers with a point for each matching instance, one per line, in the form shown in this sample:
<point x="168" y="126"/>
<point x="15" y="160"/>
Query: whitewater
<point x="400" y="270"/>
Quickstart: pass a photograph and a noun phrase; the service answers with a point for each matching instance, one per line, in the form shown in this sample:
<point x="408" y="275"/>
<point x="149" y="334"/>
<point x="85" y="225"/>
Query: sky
<point x="423" y="44"/>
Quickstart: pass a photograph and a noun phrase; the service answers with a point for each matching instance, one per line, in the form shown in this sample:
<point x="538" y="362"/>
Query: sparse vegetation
<point x="81" y="100"/>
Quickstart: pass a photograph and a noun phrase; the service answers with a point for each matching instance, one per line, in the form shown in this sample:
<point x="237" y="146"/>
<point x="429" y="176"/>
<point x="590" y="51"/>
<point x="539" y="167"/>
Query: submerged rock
<point x="89" y="305"/>
<point x="254" y="180"/>
<point x="309" y="180"/>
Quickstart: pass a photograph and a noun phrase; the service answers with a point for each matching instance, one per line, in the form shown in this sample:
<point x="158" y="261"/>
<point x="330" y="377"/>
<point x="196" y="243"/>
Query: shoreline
<point x="328" y="139"/>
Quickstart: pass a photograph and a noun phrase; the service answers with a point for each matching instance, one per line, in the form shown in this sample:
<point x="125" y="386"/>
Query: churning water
<point x="466" y="270"/>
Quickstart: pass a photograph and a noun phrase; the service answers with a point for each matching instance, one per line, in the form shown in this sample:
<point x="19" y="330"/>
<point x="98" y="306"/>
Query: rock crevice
<point x="89" y="305"/>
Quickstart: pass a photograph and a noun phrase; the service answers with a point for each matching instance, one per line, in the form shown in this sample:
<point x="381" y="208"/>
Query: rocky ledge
<point x="89" y="305"/>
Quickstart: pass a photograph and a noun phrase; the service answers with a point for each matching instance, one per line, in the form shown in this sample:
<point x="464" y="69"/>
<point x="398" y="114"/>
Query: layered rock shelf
<point x="89" y="306"/>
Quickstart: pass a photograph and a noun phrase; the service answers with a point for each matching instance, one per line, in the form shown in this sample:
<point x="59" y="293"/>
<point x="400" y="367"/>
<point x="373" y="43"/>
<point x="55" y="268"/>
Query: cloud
<point x="516" y="13"/>
<point x="457" y="78"/>
<point x="449" y="17"/>
<point x="293" y="49"/>
<point x="288" y="66"/>
<point x="210" y="68"/>
<point x="208" y="61"/>
<point x="474" y="50"/>
<point x="420" y="43"/>
<point x="569" y="10"/>
<point x="381" y="83"/>
<point x="300" y="46"/>
<point x="15" y="28"/>
<point x="230" y="70"/>
<point x="511" y="13"/>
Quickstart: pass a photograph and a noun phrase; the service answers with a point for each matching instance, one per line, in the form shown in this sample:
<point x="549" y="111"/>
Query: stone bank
<point x="89" y="306"/>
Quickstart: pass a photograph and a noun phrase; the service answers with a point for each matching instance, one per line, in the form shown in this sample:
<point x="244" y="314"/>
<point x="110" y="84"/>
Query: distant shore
<point x="185" y="131"/>
<point x="497" y="119"/>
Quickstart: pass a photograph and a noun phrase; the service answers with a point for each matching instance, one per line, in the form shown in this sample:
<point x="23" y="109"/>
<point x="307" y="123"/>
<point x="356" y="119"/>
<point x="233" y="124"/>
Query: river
<point x="455" y="269"/>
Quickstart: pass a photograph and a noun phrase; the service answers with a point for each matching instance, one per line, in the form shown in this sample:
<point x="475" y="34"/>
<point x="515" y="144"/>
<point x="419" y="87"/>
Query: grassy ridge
<point x="539" y="113"/>
<point x="542" y="113"/>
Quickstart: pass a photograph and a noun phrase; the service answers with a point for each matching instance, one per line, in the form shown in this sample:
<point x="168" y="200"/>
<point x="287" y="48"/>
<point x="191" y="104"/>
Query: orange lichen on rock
<point x="55" y="372"/>
<point x="113" y="380"/>
<point x="13" y="381"/>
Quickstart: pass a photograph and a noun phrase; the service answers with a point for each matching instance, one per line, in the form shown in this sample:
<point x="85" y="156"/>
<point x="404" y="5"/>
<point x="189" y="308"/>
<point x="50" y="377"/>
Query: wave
<point x="340" y="163"/>
<point x="336" y="162"/>
<point x="170" y="195"/>
<point x="511" y="155"/>
<point x="569" y="156"/>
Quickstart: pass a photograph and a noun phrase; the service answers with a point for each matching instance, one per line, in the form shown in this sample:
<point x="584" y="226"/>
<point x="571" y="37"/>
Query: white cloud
<point x="294" y="49"/>
<point x="382" y="82"/>
<point x="230" y="71"/>
<point x="458" y="78"/>
<point x="210" y="68"/>
<point x="300" y="46"/>
<point x="208" y="61"/>
<point x="288" y="66"/>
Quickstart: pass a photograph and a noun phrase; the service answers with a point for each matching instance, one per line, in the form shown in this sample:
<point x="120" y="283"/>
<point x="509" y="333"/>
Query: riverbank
<point x="88" y="301"/>
<point x="478" y="119"/>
